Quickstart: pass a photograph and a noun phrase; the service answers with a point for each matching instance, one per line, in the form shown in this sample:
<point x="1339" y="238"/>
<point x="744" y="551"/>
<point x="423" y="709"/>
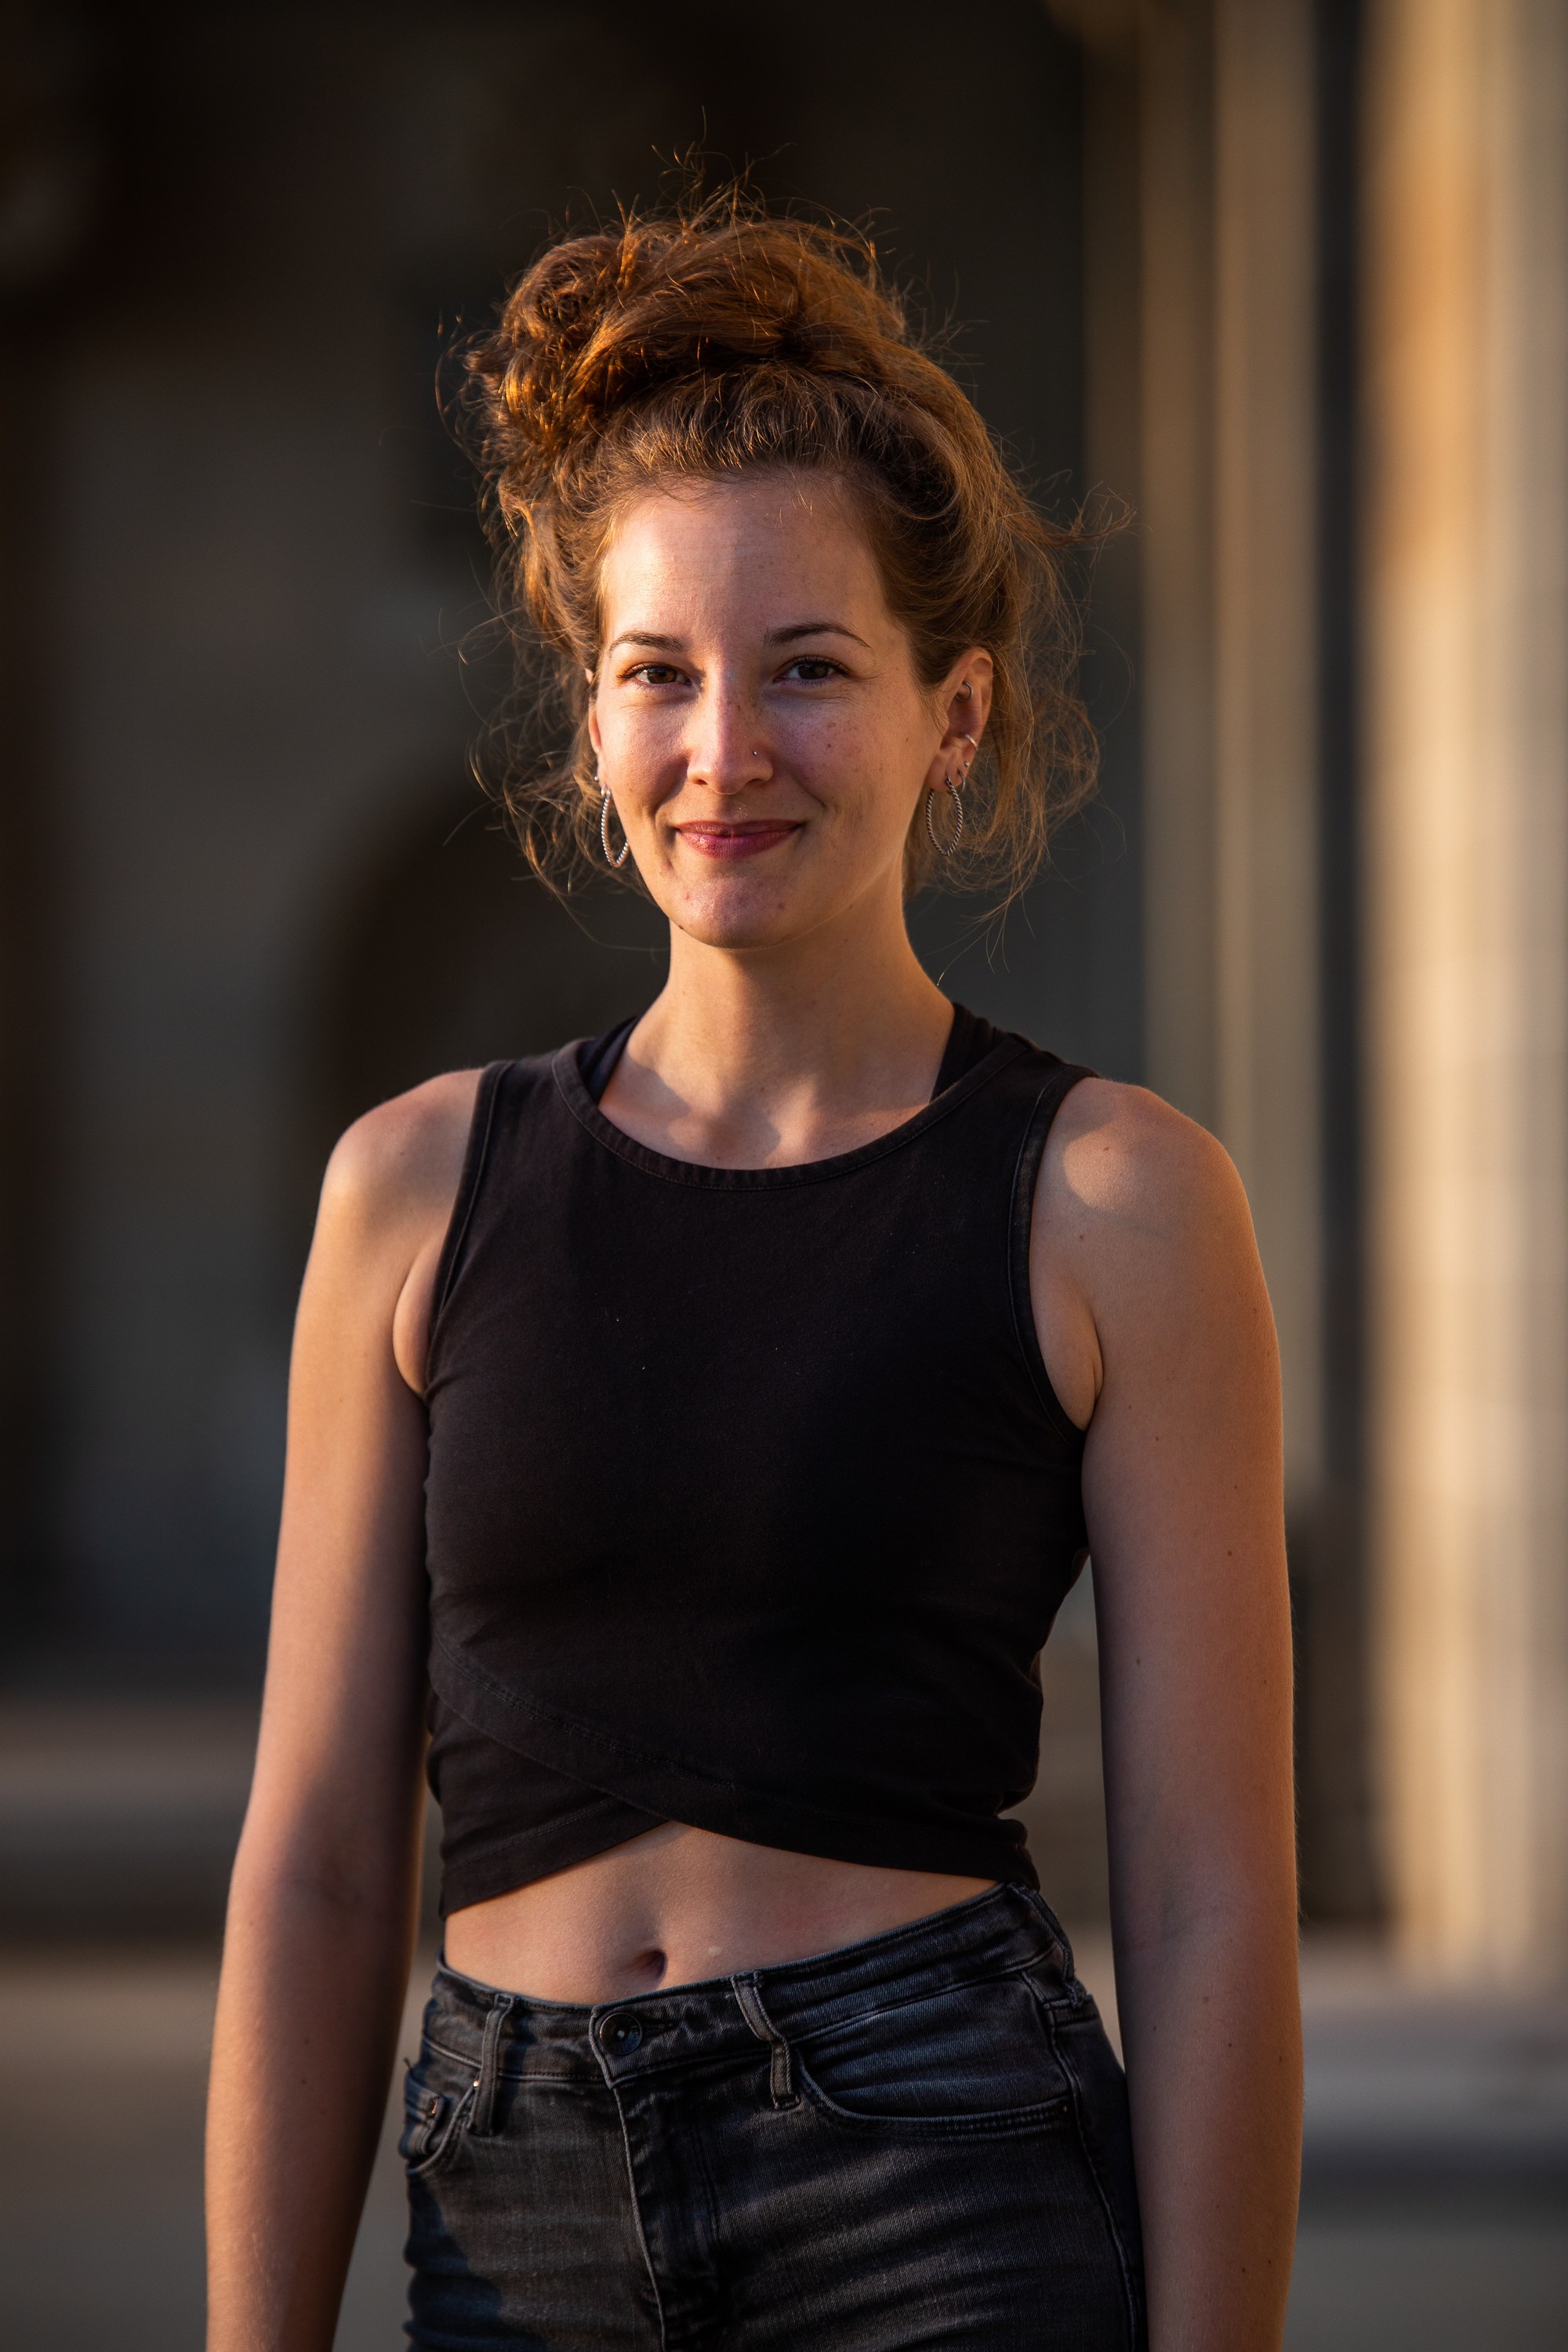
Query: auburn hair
<point x="701" y="342"/>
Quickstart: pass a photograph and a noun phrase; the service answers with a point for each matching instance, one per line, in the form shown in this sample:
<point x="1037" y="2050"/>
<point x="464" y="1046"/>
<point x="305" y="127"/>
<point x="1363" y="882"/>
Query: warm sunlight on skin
<point x="757" y="715"/>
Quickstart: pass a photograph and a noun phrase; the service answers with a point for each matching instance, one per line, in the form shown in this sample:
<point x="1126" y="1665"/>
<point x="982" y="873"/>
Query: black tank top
<point x="750" y="1504"/>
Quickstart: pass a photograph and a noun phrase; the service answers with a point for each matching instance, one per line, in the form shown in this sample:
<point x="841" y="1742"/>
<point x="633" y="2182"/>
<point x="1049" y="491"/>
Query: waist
<point x="679" y="1906"/>
<point x="1002" y="1931"/>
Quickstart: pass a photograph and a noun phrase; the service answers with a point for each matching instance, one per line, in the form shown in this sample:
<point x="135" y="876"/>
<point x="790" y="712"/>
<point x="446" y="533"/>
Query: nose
<point x="729" y="745"/>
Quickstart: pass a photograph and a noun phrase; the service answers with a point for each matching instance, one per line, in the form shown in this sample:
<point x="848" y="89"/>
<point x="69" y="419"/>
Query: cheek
<point x="635" y="747"/>
<point x="862" y="757"/>
<point x="878" y="772"/>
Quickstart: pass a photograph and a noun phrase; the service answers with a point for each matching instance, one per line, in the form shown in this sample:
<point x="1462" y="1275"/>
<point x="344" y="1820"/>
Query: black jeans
<point x="918" y="2141"/>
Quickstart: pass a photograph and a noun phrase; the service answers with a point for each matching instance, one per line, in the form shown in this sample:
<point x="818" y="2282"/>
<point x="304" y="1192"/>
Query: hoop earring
<point x="946" y="849"/>
<point x="956" y="788"/>
<point x="617" y="863"/>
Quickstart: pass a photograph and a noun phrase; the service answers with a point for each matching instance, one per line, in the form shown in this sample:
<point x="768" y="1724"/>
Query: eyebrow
<point x="813" y="629"/>
<point x="773" y="636"/>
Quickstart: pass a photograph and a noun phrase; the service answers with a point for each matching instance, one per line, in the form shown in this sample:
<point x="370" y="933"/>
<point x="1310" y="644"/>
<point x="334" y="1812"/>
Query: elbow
<point x="353" y="1878"/>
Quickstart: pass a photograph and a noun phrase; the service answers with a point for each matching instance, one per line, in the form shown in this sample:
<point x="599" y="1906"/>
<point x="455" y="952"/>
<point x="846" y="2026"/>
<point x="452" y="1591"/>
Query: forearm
<point x="309" y="2007"/>
<point x="1210" y="2031"/>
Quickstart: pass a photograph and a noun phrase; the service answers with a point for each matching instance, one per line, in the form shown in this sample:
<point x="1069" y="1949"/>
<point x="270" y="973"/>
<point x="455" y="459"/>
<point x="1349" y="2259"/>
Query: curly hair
<point x="709" y="339"/>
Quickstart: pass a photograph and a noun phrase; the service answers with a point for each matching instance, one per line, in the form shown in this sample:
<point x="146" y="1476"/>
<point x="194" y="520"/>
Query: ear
<point x="594" y="729"/>
<point x="964" y="704"/>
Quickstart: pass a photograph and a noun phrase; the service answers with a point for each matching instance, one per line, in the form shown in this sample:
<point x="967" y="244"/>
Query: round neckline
<point x="566" y="1070"/>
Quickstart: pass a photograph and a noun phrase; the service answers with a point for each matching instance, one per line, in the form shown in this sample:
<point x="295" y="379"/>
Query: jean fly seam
<point x="643" y="2246"/>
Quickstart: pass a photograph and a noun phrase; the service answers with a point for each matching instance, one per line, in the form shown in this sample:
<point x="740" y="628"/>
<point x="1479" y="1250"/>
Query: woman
<point x="717" y="1413"/>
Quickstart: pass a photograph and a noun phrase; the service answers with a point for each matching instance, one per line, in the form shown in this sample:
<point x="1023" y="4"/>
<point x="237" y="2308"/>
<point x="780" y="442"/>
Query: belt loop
<point x="1061" y="1950"/>
<point x="780" y="2074"/>
<point x="488" y="2075"/>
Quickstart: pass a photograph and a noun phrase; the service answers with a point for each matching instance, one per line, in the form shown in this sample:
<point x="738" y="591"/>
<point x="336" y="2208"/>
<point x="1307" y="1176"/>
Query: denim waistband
<point x="1008" y="1930"/>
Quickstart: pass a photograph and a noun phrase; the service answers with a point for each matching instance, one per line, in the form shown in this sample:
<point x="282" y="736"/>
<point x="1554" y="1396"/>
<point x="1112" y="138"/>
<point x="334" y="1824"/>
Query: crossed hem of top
<point x="512" y="1702"/>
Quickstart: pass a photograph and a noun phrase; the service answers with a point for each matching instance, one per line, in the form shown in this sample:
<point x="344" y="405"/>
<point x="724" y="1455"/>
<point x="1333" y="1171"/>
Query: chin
<point x="734" y="930"/>
<point x="725" y="916"/>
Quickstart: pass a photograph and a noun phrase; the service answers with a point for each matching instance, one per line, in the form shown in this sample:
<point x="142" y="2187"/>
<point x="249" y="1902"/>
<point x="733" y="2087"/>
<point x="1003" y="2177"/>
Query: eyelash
<point x="638" y="673"/>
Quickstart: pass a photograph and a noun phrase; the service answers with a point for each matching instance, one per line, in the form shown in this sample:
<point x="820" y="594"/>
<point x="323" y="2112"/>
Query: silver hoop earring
<point x="955" y="786"/>
<point x="605" y="828"/>
<point x="946" y="849"/>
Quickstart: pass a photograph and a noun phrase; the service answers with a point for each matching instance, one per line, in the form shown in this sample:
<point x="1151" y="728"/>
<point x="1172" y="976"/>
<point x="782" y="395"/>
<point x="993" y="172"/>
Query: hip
<point x="918" y="2140"/>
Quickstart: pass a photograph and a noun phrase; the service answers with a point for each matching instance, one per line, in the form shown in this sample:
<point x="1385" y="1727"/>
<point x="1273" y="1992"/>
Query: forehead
<point x="740" y="548"/>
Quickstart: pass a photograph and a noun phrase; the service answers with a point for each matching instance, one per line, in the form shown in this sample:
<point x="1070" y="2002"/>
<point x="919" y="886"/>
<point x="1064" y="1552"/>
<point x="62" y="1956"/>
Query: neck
<point x="786" y="1052"/>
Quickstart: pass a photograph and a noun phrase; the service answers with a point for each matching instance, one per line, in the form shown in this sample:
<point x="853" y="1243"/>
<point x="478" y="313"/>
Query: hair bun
<point x="604" y="322"/>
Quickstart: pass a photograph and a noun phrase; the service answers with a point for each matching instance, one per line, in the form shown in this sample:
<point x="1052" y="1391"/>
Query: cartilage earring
<point x="604" y="826"/>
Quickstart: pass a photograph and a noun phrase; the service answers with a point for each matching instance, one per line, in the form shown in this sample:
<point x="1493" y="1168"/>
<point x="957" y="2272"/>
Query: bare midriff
<point x="679" y="1905"/>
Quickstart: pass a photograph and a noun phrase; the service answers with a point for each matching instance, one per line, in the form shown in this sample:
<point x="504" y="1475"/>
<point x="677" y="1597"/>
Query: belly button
<point x="653" y="1964"/>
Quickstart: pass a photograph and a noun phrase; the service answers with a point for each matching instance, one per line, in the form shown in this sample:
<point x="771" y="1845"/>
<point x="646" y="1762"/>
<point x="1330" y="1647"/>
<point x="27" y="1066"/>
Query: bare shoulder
<point x="403" y="1157"/>
<point x="393" y="1178"/>
<point x="1123" y="1163"/>
<point x="1143" y="1246"/>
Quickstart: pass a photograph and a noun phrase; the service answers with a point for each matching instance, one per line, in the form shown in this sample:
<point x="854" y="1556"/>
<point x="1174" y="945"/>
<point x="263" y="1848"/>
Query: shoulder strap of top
<point x="474" y="1154"/>
<point x="1053" y="1081"/>
<point x="596" y="1061"/>
<point x="969" y="1041"/>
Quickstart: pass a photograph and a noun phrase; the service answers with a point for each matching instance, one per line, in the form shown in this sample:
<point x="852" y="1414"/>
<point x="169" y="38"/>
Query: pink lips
<point x="735" y="840"/>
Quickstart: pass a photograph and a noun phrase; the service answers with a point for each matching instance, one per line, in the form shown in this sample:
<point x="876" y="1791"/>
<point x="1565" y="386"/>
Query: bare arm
<point x="322" y="1907"/>
<point x="1154" y="1321"/>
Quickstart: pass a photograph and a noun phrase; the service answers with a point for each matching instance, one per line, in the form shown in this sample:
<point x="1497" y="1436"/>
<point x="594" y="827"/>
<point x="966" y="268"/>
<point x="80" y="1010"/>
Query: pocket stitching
<point x="992" y="2123"/>
<point x="986" y="2122"/>
<point x="451" y="2136"/>
<point x="799" y="2040"/>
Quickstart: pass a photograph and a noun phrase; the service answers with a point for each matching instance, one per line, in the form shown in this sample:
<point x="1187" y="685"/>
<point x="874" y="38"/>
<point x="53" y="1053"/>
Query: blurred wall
<point x="252" y="568"/>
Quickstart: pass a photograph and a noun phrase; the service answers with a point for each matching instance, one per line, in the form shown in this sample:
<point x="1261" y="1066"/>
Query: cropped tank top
<point x="750" y="1504"/>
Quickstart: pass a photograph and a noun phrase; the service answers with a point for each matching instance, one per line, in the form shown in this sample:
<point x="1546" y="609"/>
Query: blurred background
<point x="1288" y="277"/>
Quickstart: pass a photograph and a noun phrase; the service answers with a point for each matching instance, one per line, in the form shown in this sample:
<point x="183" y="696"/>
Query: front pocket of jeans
<point x="436" y="2104"/>
<point x="975" y="2059"/>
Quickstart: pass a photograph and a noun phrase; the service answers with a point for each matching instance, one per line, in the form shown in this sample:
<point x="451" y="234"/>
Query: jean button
<point x="620" y="2034"/>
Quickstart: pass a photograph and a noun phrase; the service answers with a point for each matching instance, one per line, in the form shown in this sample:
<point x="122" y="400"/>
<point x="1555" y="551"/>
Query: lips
<point x="732" y="841"/>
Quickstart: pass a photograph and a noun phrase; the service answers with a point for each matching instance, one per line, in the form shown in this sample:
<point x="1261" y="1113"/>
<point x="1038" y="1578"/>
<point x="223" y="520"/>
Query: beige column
<point x="1229" y="493"/>
<point x="1467" y="905"/>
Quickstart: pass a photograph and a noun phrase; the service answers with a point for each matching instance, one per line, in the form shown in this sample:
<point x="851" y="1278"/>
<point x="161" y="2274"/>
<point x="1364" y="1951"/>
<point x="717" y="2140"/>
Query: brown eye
<point x="654" y="674"/>
<point x="812" y="668"/>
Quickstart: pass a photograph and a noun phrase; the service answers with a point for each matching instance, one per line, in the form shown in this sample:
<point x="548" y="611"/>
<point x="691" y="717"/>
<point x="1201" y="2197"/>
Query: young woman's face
<point x="757" y="716"/>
